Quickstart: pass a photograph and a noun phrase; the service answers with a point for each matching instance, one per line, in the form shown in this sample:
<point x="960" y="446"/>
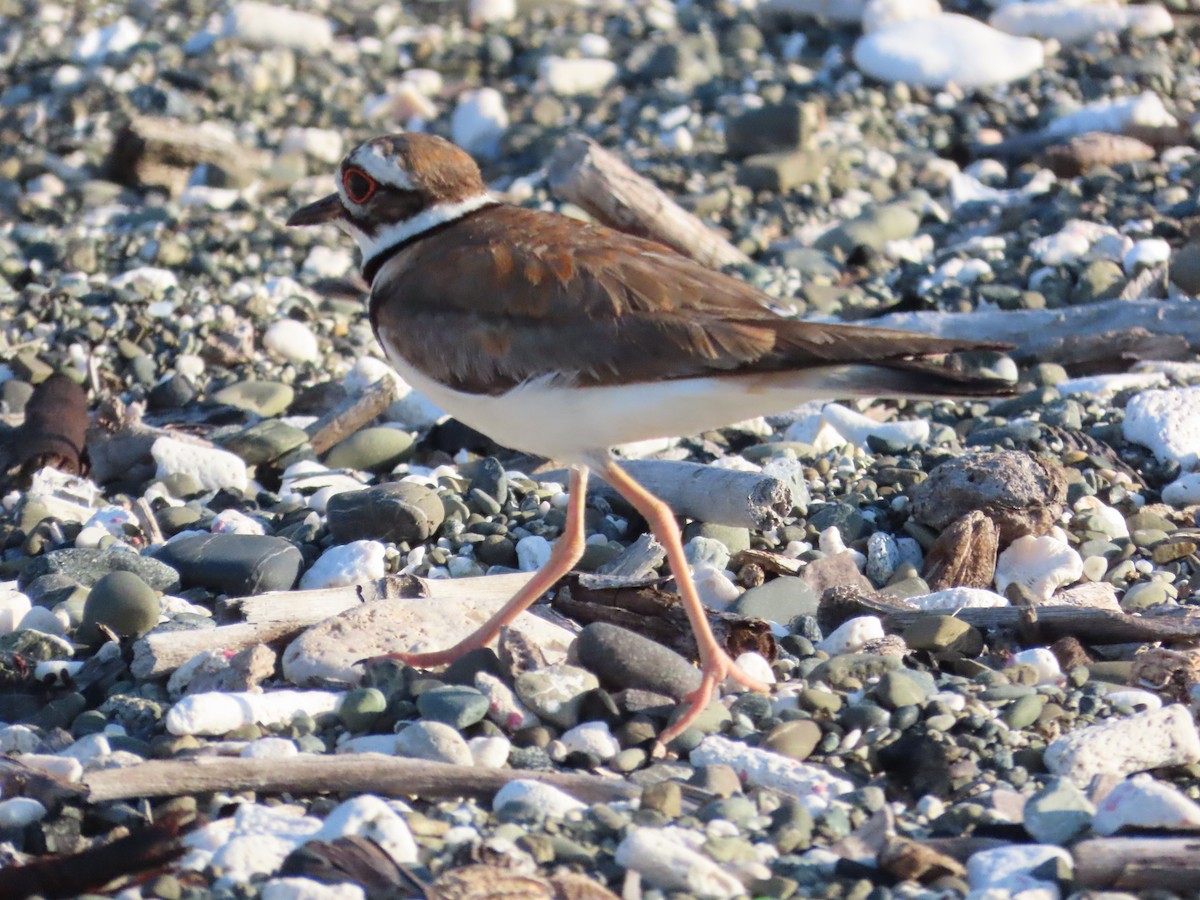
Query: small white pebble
<point x="291" y="340"/>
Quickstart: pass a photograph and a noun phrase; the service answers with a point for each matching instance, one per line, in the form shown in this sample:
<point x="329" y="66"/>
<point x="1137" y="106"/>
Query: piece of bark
<point x="1138" y="863"/>
<point x="154" y="151"/>
<point x="55" y="428"/>
<point x="1081" y="153"/>
<point x="1035" y="332"/>
<point x="964" y="555"/>
<point x="584" y="173"/>
<point x="349" y="773"/>
<point x="70" y="875"/>
<point x="909" y="860"/>
<point x="658" y="614"/>
<point x="1092" y="626"/>
<point x="704" y="493"/>
<point x="350" y="415"/>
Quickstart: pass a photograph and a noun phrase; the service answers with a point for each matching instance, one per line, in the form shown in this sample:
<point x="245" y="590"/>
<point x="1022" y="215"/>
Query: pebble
<point x="957" y="598"/>
<point x="355" y="563"/>
<point x="223" y="712"/>
<point x="1137" y="743"/>
<point x="122" y="602"/>
<point x="1058" y="813"/>
<point x="566" y="77"/>
<point x="622" y="659"/>
<point x="266" y="398"/>
<point x="479" y="122"/>
<point x="17" y="812"/>
<point x="234" y="564"/>
<point x="593" y="738"/>
<point x="780" y="600"/>
<point x="555" y="693"/>
<point x="291" y="340"/>
<point x="857" y="428"/>
<point x="455" y="705"/>
<point x="1141" y="803"/>
<point x="852" y="635"/>
<point x="14" y="607"/>
<point x="1167" y="422"/>
<point x="264" y="26"/>
<point x="552" y="802"/>
<point x="214" y="469"/>
<point x="371" y="449"/>
<point x="1071" y="24"/>
<point x="433" y="741"/>
<point x="398" y="511"/>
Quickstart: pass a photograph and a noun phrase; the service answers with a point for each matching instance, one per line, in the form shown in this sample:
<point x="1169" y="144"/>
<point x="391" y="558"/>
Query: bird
<point x="563" y="339"/>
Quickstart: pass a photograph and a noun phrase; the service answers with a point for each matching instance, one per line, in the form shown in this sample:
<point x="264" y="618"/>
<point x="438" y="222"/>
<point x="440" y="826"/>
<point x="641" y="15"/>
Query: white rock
<point x="219" y="712"/>
<point x="490" y="752"/>
<point x="1045" y="662"/>
<point x="253" y="841"/>
<point x="118" y="37"/>
<point x="1149" y="740"/>
<point x="1168" y="422"/>
<point x="369" y="743"/>
<point x="716" y="590"/>
<point x="856" y="428"/>
<point x="1103" y="385"/>
<point x="371" y="817"/>
<point x="1141" y="803"/>
<point x="591" y="737"/>
<point x="159" y="280"/>
<point x="291" y="340"/>
<point x="571" y="77"/>
<point x="14" y="607"/>
<point x="307" y="889"/>
<point x="946" y="49"/>
<point x="1113" y="114"/>
<point x="1011" y="869"/>
<point x="1146" y="253"/>
<point x="533" y="552"/>
<point x="264" y="25"/>
<point x="1094" y="594"/>
<point x="504" y="706"/>
<point x="958" y="598"/>
<point x="88" y="748"/>
<point x="212" y="467"/>
<point x="479" y="122"/>
<point x="883" y="556"/>
<point x="881" y="13"/>
<point x="814" y="430"/>
<point x="69" y="770"/>
<point x="553" y="802"/>
<point x="325" y="145"/>
<point x="598" y="47"/>
<point x="491" y="12"/>
<point x="753" y="664"/>
<point x="1040" y="565"/>
<point x="1077" y="23"/>
<point x="1183" y="491"/>
<point x="1129" y="700"/>
<point x="1114" y="522"/>
<point x="230" y="521"/>
<point x="41" y="619"/>
<point x="813" y="786"/>
<point x="270" y="748"/>
<point x="670" y="858"/>
<point x="852" y="634"/>
<point x="20" y="811"/>
<point x="342" y="564"/>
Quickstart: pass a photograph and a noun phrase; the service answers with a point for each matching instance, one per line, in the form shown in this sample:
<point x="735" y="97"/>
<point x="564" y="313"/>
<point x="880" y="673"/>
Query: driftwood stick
<point x="350" y="415"/>
<point x="584" y="173"/>
<point x="1091" y="626"/>
<point x="281" y="615"/>
<point x="345" y="773"/>
<point x="1138" y="863"/>
<point x="704" y="493"/>
<point x="1035" y="332"/>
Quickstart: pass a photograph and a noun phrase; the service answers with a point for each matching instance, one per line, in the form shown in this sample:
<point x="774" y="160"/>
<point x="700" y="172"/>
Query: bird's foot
<point x="715" y="667"/>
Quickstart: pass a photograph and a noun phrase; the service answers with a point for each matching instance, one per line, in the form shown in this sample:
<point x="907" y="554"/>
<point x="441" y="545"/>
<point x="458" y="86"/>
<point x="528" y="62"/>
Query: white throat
<point x="388" y="236"/>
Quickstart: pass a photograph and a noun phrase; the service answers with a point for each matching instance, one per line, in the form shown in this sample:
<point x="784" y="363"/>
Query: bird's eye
<point x="359" y="185"/>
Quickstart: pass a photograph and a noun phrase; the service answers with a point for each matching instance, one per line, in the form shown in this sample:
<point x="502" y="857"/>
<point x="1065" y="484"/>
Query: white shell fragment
<point x="1149" y="740"/>
<point x="1143" y="803"/>
<point x="958" y="598"/>
<point x="1039" y="565"/>
<point x="219" y="712"/>
<point x="813" y="786"/>
<point x="670" y="858"/>
<point x="852" y="634"/>
<point x="544" y="797"/>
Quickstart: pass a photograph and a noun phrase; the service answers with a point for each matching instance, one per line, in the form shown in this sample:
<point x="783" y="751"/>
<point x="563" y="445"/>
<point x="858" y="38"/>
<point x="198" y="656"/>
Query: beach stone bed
<point x="979" y="618"/>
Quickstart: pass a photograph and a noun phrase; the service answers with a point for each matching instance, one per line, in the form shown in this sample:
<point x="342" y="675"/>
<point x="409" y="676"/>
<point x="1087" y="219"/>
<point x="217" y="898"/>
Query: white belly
<point x="569" y="423"/>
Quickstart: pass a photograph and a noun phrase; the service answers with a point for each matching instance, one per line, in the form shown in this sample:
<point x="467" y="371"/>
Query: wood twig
<point x="704" y="493"/>
<point x="584" y="173"/>
<point x="344" y="773"/>
<point x="350" y="415"/>
<point x="1089" y="625"/>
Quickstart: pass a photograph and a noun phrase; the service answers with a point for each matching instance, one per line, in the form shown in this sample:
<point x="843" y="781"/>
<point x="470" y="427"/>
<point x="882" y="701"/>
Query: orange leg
<point x="566" y="552"/>
<point x="715" y="664"/>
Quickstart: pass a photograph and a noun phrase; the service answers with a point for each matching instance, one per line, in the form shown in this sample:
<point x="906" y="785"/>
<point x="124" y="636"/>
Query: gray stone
<point x="624" y="659"/>
<point x="902" y="688"/>
<point x="266" y="398"/>
<point x="781" y="172"/>
<point x="371" y="450"/>
<point x="361" y="708"/>
<point x="1058" y="813"/>
<point x="455" y="705"/>
<point x="771" y="128"/>
<point x="795" y="740"/>
<point x="397" y="511"/>
<point x="235" y="564"/>
<point x="435" y="742"/>
<point x="873" y="228"/>
<point x="86" y="567"/>
<point x="121" y="601"/>
<point x="779" y="600"/>
<point x="1023" y="712"/>
<point x="266" y="441"/>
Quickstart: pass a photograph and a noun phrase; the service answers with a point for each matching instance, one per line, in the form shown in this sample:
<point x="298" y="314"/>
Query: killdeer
<point x="563" y="339"/>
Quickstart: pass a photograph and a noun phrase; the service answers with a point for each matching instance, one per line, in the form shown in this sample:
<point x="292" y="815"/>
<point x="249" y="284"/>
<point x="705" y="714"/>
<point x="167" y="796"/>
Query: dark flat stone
<point x="624" y="659"/>
<point x="236" y="564"/>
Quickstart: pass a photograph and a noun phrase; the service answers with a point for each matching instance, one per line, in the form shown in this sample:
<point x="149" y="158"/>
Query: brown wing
<point x="510" y="295"/>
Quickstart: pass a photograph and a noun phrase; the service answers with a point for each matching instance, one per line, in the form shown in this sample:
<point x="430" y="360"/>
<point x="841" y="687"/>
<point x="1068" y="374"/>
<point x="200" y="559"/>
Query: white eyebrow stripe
<point x="382" y="168"/>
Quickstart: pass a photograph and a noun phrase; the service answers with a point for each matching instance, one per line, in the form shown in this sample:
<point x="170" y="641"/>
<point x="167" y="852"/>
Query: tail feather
<point x="926" y="378"/>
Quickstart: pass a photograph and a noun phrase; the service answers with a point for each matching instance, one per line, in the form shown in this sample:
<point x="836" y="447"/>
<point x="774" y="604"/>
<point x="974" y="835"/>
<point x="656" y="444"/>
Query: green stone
<point x="266" y="441"/>
<point x="123" y="602"/>
<point x="361" y="708"/>
<point x="664" y="796"/>
<point x="1144" y="596"/>
<point x="940" y="633"/>
<point x="371" y="450"/>
<point x="1023" y="712"/>
<point x="796" y="739"/>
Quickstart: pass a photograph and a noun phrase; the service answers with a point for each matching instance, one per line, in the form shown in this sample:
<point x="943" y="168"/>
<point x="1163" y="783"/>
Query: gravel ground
<point x="979" y="617"/>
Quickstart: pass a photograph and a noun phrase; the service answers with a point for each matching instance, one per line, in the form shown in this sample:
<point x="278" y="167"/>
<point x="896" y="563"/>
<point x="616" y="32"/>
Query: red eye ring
<point x="359" y="185"/>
